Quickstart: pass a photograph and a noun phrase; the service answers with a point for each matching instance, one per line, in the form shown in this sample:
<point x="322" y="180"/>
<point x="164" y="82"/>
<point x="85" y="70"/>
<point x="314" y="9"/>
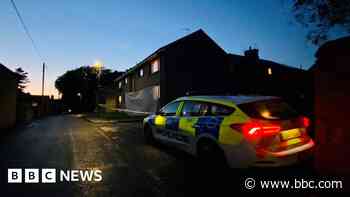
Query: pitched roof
<point x="243" y="60"/>
<point x="4" y="69"/>
<point x="198" y="33"/>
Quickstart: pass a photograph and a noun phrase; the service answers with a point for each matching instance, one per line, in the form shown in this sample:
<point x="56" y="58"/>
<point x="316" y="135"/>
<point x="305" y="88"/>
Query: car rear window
<point x="219" y="110"/>
<point x="275" y="109"/>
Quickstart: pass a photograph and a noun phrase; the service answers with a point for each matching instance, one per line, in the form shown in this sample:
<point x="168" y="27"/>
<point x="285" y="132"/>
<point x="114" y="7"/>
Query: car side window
<point x="170" y="109"/>
<point x="191" y="108"/>
<point x="220" y="110"/>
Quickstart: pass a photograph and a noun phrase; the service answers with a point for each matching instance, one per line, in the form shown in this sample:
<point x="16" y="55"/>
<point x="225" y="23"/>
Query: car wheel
<point x="148" y="135"/>
<point x="210" y="154"/>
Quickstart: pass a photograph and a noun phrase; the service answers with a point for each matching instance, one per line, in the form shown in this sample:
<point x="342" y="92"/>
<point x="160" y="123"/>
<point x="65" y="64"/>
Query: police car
<point x="242" y="131"/>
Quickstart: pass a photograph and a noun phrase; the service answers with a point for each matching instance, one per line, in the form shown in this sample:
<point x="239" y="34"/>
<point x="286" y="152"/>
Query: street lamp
<point x="98" y="67"/>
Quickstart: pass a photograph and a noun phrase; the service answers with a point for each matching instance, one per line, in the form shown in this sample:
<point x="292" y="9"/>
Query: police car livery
<point x="240" y="130"/>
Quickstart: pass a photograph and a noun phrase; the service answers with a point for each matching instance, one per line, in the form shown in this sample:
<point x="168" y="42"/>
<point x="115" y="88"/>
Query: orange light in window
<point x="269" y="71"/>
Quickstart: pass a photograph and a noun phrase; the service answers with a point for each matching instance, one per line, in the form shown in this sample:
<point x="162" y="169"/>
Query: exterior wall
<point x="7" y="101"/>
<point x="136" y="83"/>
<point x="111" y="103"/>
<point x="42" y="105"/>
<point x="197" y="67"/>
<point x="251" y="76"/>
<point x="148" y="79"/>
<point x="332" y="112"/>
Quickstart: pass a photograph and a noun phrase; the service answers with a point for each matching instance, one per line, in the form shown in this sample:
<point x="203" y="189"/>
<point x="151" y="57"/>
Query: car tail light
<point x="255" y="129"/>
<point x="304" y="122"/>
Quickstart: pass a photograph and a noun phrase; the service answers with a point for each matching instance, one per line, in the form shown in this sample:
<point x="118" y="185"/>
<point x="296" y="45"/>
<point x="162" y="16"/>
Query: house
<point x="107" y="94"/>
<point x="8" y="92"/>
<point x="187" y="65"/>
<point x="250" y="74"/>
<point x="332" y="109"/>
<point x="194" y="65"/>
<point x="108" y="98"/>
<point x="41" y="105"/>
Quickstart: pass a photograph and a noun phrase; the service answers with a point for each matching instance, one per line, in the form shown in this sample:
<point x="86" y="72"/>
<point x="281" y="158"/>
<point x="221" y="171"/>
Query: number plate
<point x="289" y="134"/>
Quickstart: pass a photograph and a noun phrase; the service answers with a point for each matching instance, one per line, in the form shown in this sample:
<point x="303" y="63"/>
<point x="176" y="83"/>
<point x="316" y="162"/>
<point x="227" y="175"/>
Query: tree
<point x="322" y="16"/>
<point x="22" y="79"/>
<point x="79" y="86"/>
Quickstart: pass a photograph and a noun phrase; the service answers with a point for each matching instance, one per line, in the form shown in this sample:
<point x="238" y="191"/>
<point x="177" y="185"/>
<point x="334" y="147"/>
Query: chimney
<point x="252" y="53"/>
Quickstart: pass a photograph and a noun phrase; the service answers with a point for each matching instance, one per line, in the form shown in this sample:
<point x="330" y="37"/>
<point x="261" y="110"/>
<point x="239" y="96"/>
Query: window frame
<point x="194" y="102"/>
<point x="269" y="71"/>
<point x="156" y="92"/>
<point x="210" y="105"/>
<point x="120" y="100"/>
<point x="158" y="66"/>
<point x="223" y="106"/>
<point x="160" y="112"/>
<point x="141" y="70"/>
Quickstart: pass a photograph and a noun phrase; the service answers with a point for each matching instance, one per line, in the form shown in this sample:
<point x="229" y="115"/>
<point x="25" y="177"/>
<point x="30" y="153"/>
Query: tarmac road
<point x="129" y="166"/>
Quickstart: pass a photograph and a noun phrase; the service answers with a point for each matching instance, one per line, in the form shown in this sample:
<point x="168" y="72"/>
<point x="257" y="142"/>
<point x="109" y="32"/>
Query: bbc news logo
<point x="51" y="175"/>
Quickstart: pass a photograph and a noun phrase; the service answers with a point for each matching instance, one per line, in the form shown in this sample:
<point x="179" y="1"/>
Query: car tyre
<point x="210" y="155"/>
<point x="148" y="135"/>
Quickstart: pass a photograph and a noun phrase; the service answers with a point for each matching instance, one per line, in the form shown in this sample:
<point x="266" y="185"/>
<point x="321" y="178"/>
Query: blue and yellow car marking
<point x="215" y="126"/>
<point x="208" y="125"/>
<point x="172" y="123"/>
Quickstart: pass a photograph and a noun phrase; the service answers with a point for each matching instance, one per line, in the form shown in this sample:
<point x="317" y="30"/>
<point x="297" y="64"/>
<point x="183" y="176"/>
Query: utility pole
<point x="43" y="81"/>
<point x="42" y="92"/>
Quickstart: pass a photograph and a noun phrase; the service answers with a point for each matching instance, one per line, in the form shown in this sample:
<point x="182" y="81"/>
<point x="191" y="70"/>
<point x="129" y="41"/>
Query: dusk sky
<point x="72" y="33"/>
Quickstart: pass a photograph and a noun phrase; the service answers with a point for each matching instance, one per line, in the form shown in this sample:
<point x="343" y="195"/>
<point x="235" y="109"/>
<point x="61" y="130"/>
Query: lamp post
<point x="98" y="68"/>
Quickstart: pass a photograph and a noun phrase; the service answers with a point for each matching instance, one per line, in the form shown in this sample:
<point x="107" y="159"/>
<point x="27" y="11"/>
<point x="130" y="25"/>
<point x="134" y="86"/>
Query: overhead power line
<point x="26" y="29"/>
<point x="33" y="43"/>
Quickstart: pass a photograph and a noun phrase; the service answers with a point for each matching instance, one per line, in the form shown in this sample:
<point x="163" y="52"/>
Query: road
<point x="129" y="166"/>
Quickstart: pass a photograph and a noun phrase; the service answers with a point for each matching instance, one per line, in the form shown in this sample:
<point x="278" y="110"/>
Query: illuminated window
<point x="269" y="71"/>
<point x="120" y="84"/>
<point x="156" y="92"/>
<point x="120" y="99"/>
<point x="126" y="80"/>
<point x="155" y="66"/>
<point x="141" y="72"/>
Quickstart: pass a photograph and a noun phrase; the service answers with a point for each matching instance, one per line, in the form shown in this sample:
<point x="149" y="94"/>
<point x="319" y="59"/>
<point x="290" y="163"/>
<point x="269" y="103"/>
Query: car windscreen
<point x="274" y="109"/>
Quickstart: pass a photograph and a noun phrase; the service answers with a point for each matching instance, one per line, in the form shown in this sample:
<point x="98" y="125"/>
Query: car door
<point x="191" y="113"/>
<point x="166" y="122"/>
<point x="202" y="118"/>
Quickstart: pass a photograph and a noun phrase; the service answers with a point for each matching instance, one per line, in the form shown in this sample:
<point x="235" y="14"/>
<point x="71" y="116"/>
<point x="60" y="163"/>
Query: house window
<point x="119" y="100"/>
<point x="141" y="72"/>
<point x="120" y="84"/>
<point x="155" y="66"/>
<point x="156" y="92"/>
<point x="269" y="71"/>
<point x="126" y="80"/>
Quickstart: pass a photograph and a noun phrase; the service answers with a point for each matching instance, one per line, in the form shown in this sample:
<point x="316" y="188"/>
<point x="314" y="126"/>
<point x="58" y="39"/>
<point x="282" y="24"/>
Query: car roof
<point x="241" y="99"/>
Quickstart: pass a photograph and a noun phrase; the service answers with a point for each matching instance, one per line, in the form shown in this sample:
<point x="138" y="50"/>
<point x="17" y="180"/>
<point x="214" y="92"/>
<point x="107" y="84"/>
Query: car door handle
<point x="210" y="125"/>
<point x="196" y="126"/>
